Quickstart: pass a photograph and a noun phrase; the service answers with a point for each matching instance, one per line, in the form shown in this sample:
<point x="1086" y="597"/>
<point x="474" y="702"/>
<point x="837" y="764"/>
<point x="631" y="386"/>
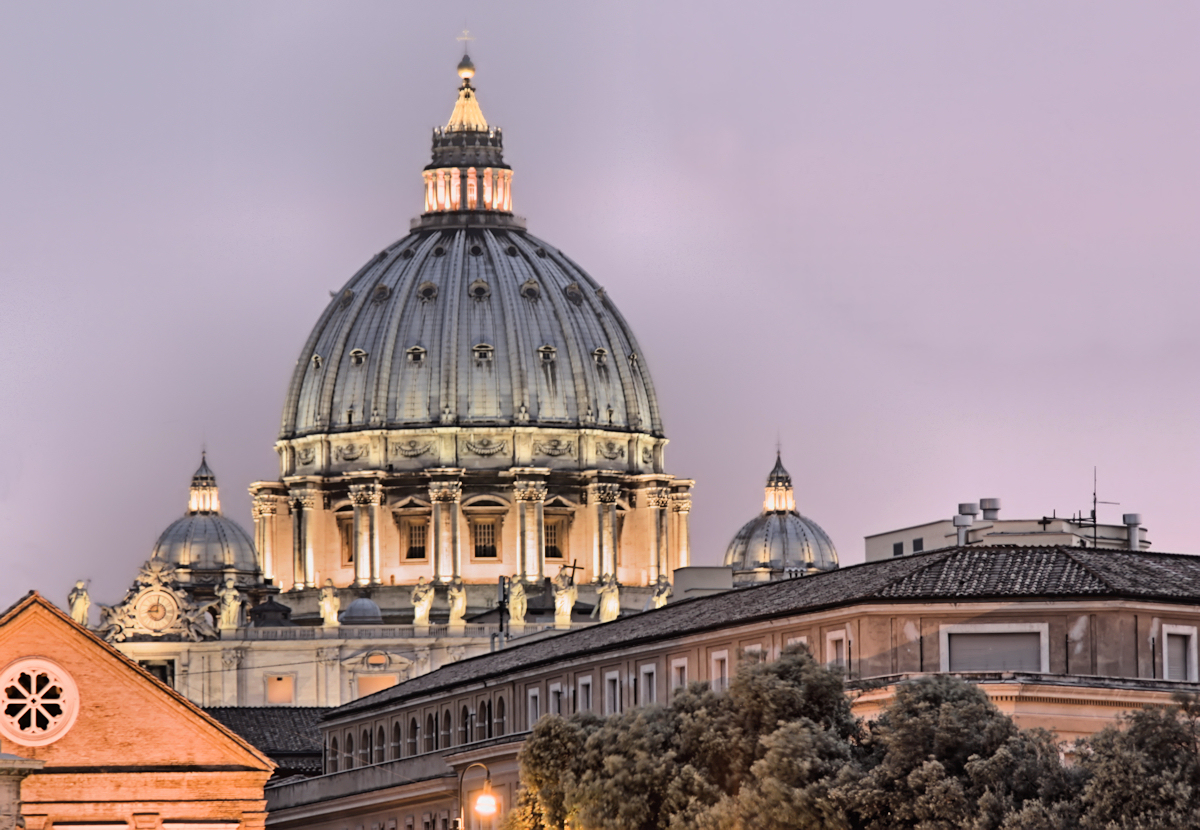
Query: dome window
<point x="600" y="356"/>
<point x="479" y="290"/>
<point x="548" y="354"/>
<point x="416" y="354"/>
<point x="427" y="291"/>
<point x="476" y="250"/>
<point x="439" y="251"/>
<point x="316" y="361"/>
<point x="347" y="298"/>
<point x="357" y="357"/>
<point x="574" y="293"/>
<point x="407" y="253"/>
<point x="511" y="250"/>
<point x="381" y="294"/>
<point x="530" y="290"/>
<point x="541" y="252"/>
<point x="483" y="352"/>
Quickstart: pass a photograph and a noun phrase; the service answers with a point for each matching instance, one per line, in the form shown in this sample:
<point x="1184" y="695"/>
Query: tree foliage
<point x="780" y="749"/>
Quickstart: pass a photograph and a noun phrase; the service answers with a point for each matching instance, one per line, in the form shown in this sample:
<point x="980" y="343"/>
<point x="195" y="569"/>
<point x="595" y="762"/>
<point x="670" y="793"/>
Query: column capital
<point x="265" y="505"/>
<point x="530" y="490"/>
<point x="306" y="499"/>
<point x="606" y="493"/>
<point x="681" y="502"/>
<point x="232" y="657"/>
<point x="366" y="494"/>
<point x="658" y="497"/>
<point x="445" y="491"/>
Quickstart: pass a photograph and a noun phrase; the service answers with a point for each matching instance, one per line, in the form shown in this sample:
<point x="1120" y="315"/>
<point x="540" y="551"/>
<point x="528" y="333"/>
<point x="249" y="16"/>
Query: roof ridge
<point x="938" y="556"/>
<point x="1070" y="554"/>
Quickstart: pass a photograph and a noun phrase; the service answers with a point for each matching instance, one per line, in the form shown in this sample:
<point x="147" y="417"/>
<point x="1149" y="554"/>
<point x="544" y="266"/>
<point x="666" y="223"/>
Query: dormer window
<point x="483" y="352"/>
<point x="415" y="354"/>
<point x="548" y="354"/>
<point x="600" y="356"/>
<point x="357" y="357"/>
<point x="316" y="361"/>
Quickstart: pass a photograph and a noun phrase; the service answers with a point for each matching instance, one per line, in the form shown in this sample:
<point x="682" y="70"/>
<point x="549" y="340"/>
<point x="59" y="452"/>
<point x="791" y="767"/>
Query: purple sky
<point x="943" y="250"/>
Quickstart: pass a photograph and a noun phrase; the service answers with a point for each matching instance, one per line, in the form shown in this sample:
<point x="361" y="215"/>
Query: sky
<point x="939" y="251"/>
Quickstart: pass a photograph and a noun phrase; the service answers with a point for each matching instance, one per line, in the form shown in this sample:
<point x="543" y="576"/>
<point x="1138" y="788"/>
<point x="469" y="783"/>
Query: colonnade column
<point x="366" y="499"/>
<point x="265" y="508"/>
<point x="681" y="507"/>
<point x="304" y="503"/>
<point x="657" y="499"/>
<point x="531" y="497"/>
<point x="606" y="527"/>
<point x="447" y="550"/>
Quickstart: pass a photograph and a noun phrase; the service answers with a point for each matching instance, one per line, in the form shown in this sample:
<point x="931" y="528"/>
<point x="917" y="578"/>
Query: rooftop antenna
<point x="1096" y="502"/>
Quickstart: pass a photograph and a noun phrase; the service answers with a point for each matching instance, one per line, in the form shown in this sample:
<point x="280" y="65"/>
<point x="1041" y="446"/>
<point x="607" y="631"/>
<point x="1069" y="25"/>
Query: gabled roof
<point x="948" y="574"/>
<point x="33" y="603"/>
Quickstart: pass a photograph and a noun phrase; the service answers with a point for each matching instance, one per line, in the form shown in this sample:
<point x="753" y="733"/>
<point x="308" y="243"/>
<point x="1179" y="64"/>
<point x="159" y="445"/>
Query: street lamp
<point x="485" y="805"/>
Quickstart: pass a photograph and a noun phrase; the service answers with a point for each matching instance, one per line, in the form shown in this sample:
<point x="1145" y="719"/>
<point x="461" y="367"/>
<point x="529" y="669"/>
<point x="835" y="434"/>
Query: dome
<point x="470" y="320"/>
<point x="204" y="540"/>
<point x="363" y="611"/>
<point x="779" y="540"/>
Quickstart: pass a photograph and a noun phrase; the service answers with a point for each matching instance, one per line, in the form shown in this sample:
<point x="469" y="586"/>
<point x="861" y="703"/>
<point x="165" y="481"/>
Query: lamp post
<point x="485" y="805"/>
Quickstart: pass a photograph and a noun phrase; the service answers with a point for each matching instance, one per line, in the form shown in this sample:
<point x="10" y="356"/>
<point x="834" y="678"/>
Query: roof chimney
<point x="964" y="520"/>
<point x="991" y="509"/>
<point x="1131" y="521"/>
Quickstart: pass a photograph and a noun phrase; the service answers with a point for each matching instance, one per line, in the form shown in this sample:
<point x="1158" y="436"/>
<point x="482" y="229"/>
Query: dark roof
<point x="275" y="730"/>
<point x="948" y="574"/>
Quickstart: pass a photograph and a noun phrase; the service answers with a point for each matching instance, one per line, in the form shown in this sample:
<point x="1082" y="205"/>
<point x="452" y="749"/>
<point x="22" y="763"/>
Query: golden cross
<point x="465" y="36"/>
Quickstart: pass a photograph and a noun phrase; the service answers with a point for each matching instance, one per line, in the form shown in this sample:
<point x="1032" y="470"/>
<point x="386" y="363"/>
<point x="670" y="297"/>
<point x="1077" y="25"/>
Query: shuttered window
<point x="1177" y="657"/>
<point x="996" y="651"/>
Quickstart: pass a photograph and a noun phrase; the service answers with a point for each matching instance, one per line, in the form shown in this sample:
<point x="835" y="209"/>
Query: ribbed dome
<point x="204" y="540"/>
<point x="779" y="539"/>
<point x="470" y="325"/>
<point x="363" y="611"/>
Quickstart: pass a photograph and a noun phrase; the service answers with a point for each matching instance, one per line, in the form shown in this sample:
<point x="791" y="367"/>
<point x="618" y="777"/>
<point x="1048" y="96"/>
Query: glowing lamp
<point x="485" y="805"/>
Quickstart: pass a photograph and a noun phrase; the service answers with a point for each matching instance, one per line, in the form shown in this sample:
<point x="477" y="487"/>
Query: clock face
<point x="156" y="610"/>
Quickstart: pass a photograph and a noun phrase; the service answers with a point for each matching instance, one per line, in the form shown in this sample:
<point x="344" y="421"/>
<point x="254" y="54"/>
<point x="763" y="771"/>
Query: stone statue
<point x="565" y="594"/>
<point x="456" y="593"/>
<point x="195" y="623"/>
<point x="422" y="600"/>
<point x="518" y="603"/>
<point x="608" y="599"/>
<point x="229" y="609"/>
<point x="330" y="604"/>
<point x="80" y="603"/>
<point x="662" y="592"/>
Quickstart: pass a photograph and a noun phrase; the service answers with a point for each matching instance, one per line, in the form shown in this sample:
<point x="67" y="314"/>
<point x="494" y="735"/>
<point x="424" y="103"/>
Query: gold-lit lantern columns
<point x="530" y="490"/>
<point x="468" y="188"/>
<point x="658" y="500"/>
<point x="366" y="497"/>
<point x="445" y="493"/>
<point x="304" y="502"/>
<point x="604" y="495"/>
<point x="265" y="508"/>
<point x="680" y="521"/>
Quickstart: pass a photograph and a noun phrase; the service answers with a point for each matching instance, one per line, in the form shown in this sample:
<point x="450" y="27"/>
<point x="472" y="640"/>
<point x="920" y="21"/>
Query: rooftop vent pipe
<point x="1131" y="521"/>
<point x="964" y="520"/>
<point x="991" y="509"/>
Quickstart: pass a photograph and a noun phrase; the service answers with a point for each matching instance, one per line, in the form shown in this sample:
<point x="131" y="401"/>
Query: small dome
<point x="204" y="540"/>
<point x="363" y="611"/>
<point x="779" y="540"/>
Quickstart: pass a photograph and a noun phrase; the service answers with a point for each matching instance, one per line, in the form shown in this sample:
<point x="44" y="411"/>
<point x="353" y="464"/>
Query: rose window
<point x="38" y="702"/>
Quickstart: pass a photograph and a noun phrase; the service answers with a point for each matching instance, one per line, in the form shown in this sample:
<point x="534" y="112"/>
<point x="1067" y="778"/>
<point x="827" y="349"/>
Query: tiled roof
<point x="948" y="574"/>
<point x="275" y="730"/>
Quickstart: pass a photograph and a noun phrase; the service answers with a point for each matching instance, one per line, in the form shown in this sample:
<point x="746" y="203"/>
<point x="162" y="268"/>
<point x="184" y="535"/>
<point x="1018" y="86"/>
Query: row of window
<point x="484" y="539"/>
<point x="918" y="545"/>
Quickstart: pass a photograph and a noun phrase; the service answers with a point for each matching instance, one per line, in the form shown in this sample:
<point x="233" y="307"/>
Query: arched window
<point x="333" y="755"/>
<point x="380" y="746"/>
<point x="349" y="756"/>
<point x="413" y="737"/>
<point x="464" y="726"/>
<point x="447" y="729"/>
<point x="483" y="726"/>
<point x="430" y="733"/>
<point x="499" y="717"/>
<point x="364" y="751"/>
<point x="396" y="741"/>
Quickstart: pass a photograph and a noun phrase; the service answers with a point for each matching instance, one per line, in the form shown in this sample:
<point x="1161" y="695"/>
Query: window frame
<point x="647" y="679"/>
<point x="1041" y="628"/>
<point x="718" y="670"/>
<point x="678" y="680"/>
<point x="1189" y="631"/>
<point x="581" y="699"/>
<point x="831" y="637"/>
<point x="612" y="700"/>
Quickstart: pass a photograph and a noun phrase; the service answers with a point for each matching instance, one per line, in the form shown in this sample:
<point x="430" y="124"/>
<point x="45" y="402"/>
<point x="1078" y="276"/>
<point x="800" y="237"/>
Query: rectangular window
<point x="164" y="670"/>
<point x="585" y="694"/>
<point x="647" y="693"/>
<point x="897" y="548"/>
<point x="281" y="690"/>
<point x="802" y="640"/>
<point x="995" y="647"/>
<point x="483" y="537"/>
<point x="679" y="673"/>
<point x="719" y="677"/>
<point x="1179" y="653"/>
<point x="612" y="693"/>
<point x="369" y="684"/>
<point x="835" y="649"/>
<point x="345" y="526"/>
<point x="418" y="537"/>
<point x="535" y="706"/>
<point x="918" y="544"/>
<point x="554" y="538"/>
<point x="556" y="700"/>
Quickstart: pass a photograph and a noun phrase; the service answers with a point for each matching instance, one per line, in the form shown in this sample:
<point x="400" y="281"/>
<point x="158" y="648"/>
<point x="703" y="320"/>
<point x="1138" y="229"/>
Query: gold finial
<point x="466" y="69"/>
